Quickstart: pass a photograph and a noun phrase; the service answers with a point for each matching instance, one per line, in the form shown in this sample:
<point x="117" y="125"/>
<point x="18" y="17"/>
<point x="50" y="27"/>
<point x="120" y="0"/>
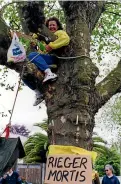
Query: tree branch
<point x="96" y="8"/>
<point x="113" y="13"/>
<point x="5" y="6"/>
<point x="36" y="21"/>
<point x="111" y="3"/>
<point x="90" y="11"/>
<point x="110" y="85"/>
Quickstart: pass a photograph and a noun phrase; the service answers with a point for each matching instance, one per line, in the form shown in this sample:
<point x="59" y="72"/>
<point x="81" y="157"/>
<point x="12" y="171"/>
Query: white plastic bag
<point x="16" y="52"/>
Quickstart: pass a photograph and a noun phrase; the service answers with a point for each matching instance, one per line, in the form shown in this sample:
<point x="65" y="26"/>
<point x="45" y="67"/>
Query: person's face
<point x="10" y="170"/>
<point x="108" y="171"/>
<point x="53" y="27"/>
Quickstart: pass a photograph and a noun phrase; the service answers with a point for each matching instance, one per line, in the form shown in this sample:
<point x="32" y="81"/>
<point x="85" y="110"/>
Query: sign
<point x="72" y="169"/>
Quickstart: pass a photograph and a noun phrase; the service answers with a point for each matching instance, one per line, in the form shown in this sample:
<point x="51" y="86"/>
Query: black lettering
<point x="65" y="174"/>
<point x="76" y="175"/>
<point x="69" y="164"/>
<point x="82" y="176"/>
<point x="51" y="174"/>
<point x="55" y="163"/>
<point x="58" y="178"/>
<point x="76" y="162"/>
<point x="83" y="162"/>
<point x="59" y="161"/>
<point x="72" y="172"/>
<point x="50" y="161"/>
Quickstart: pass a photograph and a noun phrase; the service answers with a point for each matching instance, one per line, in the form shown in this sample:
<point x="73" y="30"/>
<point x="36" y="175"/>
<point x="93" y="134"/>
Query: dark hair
<point x="57" y="22"/>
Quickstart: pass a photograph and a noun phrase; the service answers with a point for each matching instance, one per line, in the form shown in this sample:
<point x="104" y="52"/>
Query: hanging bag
<point x="16" y="52"/>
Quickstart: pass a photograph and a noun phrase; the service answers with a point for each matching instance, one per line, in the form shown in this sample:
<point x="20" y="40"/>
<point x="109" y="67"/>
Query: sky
<point x="24" y="111"/>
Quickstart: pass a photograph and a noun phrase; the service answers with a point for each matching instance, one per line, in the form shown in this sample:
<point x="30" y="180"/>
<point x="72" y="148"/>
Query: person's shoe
<point x="38" y="100"/>
<point x="50" y="76"/>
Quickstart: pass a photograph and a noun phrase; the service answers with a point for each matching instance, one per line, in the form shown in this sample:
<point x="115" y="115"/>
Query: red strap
<point x="6" y="131"/>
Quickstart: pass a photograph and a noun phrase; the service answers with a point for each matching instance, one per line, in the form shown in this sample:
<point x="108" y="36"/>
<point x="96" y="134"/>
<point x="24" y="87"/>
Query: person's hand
<point x="48" y="48"/>
<point x="11" y="33"/>
<point x="17" y="33"/>
<point x="4" y="176"/>
<point x="33" y="44"/>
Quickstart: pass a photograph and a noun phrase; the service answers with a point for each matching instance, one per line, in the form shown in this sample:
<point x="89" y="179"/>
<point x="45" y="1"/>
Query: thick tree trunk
<point x="71" y="110"/>
<point x="4" y="41"/>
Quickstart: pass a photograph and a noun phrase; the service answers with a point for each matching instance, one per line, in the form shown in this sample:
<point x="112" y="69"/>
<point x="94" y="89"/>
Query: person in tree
<point x="110" y="178"/>
<point x="11" y="177"/>
<point x="42" y="61"/>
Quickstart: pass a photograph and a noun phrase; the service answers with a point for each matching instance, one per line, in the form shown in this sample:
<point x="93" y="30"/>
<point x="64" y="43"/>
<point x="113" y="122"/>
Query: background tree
<point x="19" y="130"/>
<point x="99" y="144"/>
<point x="36" y="145"/>
<point x="76" y="94"/>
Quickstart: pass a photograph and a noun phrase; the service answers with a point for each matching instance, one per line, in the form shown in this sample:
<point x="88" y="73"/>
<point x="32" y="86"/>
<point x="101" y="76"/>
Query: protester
<point x="95" y="177"/>
<point x="42" y="61"/>
<point x="110" y="178"/>
<point x="11" y="177"/>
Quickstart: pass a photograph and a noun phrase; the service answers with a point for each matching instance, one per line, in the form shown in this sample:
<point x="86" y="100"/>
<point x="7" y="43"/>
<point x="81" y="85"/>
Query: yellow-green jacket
<point x="62" y="40"/>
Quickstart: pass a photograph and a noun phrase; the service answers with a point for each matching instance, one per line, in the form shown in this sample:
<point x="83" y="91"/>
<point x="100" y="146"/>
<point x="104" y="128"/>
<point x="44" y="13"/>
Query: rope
<point x="19" y="82"/>
<point x="73" y="57"/>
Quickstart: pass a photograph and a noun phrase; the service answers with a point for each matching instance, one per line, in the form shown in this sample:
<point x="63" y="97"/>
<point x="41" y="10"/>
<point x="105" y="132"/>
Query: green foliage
<point x="99" y="145"/>
<point x="116" y="111"/>
<point x="112" y="117"/>
<point x="42" y="125"/>
<point x="106" y="155"/>
<point x="99" y="140"/>
<point x="36" y="146"/>
<point x="11" y="15"/>
<point x="52" y="8"/>
<point x="107" y="33"/>
<point x="109" y="157"/>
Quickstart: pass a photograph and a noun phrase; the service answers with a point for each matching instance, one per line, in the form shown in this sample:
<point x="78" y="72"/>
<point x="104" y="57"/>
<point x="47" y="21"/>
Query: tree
<point x="76" y="94"/>
<point x="20" y="130"/>
<point x="36" y="145"/>
<point x="99" y="145"/>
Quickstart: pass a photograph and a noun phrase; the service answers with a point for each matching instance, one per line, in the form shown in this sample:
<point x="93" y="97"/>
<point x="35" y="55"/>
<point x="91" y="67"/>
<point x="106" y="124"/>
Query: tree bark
<point x="4" y="41"/>
<point x="71" y="110"/>
<point x="110" y="85"/>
